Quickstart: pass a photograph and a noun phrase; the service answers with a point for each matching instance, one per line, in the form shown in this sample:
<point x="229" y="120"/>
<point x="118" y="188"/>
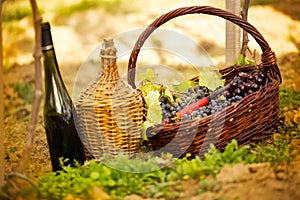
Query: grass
<point x="164" y="181"/>
<point x="162" y="174"/>
<point x="25" y="91"/>
<point x="289" y="97"/>
<point x="276" y="151"/>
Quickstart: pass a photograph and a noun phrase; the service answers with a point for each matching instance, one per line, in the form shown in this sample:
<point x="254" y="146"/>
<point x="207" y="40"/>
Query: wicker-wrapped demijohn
<point x="110" y="111"/>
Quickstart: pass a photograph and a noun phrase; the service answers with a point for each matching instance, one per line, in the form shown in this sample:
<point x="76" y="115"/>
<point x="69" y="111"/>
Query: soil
<point x="279" y="26"/>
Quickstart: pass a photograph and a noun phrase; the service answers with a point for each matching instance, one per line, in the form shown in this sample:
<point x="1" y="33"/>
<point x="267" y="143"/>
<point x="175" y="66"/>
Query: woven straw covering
<point x="110" y="112"/>
<point x="249" y="120"/>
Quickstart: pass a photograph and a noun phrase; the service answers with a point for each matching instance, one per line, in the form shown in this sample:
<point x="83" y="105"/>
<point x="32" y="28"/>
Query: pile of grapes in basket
<point x="186" y="108"/>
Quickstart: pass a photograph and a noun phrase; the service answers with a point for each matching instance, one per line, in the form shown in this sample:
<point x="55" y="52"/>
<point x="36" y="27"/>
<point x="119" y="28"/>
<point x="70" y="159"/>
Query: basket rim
<point x="268" y="57"/>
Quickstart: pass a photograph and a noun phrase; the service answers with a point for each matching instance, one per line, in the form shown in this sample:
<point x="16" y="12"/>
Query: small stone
<point x="281" y="175"/>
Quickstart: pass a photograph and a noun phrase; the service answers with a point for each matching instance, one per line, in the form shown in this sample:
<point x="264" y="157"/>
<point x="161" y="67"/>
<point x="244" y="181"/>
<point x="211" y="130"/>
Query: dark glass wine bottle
<point x="59" y="112"/>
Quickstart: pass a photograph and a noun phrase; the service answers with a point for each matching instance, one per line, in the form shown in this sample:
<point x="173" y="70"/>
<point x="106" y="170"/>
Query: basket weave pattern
<point x="110" y="112"/>
<point x="250" y="119"/>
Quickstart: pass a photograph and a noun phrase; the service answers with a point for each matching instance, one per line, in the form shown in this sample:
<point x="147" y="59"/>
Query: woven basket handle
<point x="268" y="56"/>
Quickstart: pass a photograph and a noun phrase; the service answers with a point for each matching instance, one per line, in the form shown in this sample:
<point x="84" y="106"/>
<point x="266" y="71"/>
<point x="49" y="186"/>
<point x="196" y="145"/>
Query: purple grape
<point x="254" y="86"/>
<point x="233" y="85"/>
<point x="227" y="94"/>
<point x="250" y="77"/>
<point x="247" y="86"/>
<point x="243" y="75"/>
<point x="262" y="75"/>
<point x="238" y="91"/>
<point x="242" y="88"/>
<point x="259" y="80"/>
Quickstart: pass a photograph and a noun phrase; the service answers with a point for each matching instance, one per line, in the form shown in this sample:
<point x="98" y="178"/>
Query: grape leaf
<point x="148" y="75"/>
<point x="231" y="63"/>
<point x="168" y="93"/>
<point x="183" y="86"/>
<point x="146" y="88"/>
<point x="152" y="98"/>
<point x="145" y="126"/>
<point x="241" y="60"/>
<point x="250" y="62"/>
<point x="154" y="112"/>
<point x="210" y="79"/>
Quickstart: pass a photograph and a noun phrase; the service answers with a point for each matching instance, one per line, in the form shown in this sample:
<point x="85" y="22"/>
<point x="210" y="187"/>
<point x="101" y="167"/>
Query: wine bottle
<point x="59" y="111"/>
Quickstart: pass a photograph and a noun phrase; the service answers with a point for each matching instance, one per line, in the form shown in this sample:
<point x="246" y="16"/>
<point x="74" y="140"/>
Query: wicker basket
<point x="109" y="111"/>
<point x="249" y="120"/>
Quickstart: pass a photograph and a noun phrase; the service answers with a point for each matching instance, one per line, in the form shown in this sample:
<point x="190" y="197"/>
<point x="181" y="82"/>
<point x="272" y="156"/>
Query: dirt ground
<point x="281" y="28"/>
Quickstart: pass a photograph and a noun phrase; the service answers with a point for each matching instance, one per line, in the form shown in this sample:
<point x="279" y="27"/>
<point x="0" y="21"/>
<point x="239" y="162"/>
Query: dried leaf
<point x="9" y="91"/>
<point x="288" y="118"/>
<point x="296" y="117"/>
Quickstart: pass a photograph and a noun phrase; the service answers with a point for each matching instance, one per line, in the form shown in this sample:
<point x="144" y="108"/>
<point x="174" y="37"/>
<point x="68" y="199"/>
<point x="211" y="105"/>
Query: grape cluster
<point x="244" y="84"/>
<point x="215" y="105"/>
<point x="194" y="94"/>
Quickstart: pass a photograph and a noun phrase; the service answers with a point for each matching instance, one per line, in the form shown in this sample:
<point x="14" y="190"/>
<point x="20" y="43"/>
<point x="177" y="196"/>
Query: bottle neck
<point x="52" y="74"/>
<point x="57" y="99"/>
<point x="50" y="62"/>
<point x="48" y="47"/>
<point x="53" y="80"/>
<point x="50" y="65"/>
<point x="109" y="59"/>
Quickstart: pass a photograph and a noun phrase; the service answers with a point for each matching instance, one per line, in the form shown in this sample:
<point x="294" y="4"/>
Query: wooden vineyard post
<point x="1" y="106"/>
<point x="233" y="33"/>
<point x="37" y="54"/>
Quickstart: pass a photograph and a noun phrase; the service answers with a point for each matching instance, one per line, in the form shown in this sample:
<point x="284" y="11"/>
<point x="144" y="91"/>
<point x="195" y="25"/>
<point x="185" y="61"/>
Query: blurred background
<point x="79" y="26"/>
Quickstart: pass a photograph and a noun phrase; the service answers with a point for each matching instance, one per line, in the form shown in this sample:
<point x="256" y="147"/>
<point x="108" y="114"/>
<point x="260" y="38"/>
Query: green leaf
<point x="250" y="62"/>
<point x="210" y="79"/>
<point x="168" y="93"/>
<point x="145" y="126"/>
<point x="154" y="113"/>
<point x="95" y="175"/>
<point x="241" y="60"/>
<point x="148" y="87"/>
<point x="152" y="98"/>
<point x="183" y="86"/>
<point x="148" y="75"/>
<point x="231" y="64"/>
